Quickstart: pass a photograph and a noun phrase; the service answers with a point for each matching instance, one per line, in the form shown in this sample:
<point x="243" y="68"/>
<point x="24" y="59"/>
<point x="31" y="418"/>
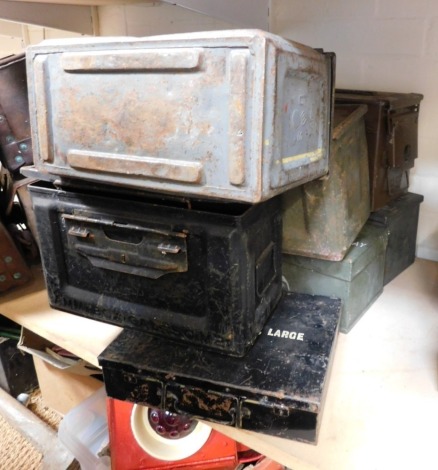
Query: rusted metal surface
<point x="392" y="135"/>
<point x="15" y="138"/>
<point x="322" y="218"/>
<point x="277" y="388"/>
<point x="218" y="407"/>
<point x="239" y="115"/>
<point x="206" y="273"/>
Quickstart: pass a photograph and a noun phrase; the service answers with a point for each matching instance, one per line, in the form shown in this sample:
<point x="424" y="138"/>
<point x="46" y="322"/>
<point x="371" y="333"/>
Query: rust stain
<point x="206" y="401"/>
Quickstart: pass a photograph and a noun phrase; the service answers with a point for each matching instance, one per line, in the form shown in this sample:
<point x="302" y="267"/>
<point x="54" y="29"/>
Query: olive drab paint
<point x="322" y="218"/>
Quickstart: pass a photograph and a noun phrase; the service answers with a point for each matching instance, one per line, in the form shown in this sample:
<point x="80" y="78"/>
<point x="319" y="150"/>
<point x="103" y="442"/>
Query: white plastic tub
<point x="84" y="431"/>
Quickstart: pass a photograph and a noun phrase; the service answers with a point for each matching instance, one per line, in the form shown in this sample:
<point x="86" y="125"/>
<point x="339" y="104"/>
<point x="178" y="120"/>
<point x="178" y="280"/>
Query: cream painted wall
<point x="146" y="19"/>
<point x="14" y="37"/>
<point x="388" y="45"/>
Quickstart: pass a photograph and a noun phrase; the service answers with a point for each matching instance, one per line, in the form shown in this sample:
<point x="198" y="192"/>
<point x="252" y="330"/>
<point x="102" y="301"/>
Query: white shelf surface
<point x="381" y="410"/>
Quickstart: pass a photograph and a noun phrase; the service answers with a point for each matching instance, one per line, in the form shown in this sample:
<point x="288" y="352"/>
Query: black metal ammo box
<point x="278" y="388"/>
<point x="205" y="274"/>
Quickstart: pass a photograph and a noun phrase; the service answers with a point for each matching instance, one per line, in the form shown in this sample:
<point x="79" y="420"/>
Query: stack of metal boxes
<point x="392" y="134"/>
<point x="162" y="163"/>
<point x="372" y="152"/>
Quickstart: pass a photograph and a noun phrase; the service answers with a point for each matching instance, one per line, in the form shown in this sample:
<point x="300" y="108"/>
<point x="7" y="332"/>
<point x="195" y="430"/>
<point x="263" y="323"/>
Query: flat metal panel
<point x="239" y="115"/>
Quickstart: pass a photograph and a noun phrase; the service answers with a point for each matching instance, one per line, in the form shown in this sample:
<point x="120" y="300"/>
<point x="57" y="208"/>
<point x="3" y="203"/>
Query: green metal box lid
<point x="371" y="242"/>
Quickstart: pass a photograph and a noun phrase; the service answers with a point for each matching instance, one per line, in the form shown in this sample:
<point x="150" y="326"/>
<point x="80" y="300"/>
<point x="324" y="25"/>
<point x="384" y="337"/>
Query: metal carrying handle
<point x="397" y="125"/>
<point x="129" y="249"/>
<point x="168" y="59"/>
<point x="174" y="393"/>
<point x="140" y="165"/>
<point x="227" y="422"/>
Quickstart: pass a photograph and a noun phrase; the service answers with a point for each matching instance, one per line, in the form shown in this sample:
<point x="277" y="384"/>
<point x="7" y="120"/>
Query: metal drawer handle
<point x="166" y="248"/>
<point x="127" y="248"/>
<point x="132" y="166"/>
<point x="139" y="60"/>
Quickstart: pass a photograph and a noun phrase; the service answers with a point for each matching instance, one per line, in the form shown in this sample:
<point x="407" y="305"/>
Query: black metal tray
<point x="278" y="388"/>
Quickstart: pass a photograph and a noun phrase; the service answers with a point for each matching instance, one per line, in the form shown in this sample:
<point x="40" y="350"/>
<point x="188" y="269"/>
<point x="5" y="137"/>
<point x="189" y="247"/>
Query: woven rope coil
<point x="16" y="452"/>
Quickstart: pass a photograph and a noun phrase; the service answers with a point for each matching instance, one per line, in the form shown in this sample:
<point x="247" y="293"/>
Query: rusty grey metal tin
<point x="239" y="115"/>
<point x="322" y="218"/>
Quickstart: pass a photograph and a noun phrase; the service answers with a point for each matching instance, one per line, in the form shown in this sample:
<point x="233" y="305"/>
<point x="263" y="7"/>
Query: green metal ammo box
<point x="322" y="218"/>
<point x="357" y="280"/>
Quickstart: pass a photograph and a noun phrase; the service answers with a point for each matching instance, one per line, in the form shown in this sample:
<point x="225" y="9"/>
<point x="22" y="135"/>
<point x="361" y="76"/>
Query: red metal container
<point x="218" y="453"/>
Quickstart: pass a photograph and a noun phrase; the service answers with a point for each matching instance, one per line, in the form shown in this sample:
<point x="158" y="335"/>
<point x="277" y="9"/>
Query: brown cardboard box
<point x="63" y="384"/>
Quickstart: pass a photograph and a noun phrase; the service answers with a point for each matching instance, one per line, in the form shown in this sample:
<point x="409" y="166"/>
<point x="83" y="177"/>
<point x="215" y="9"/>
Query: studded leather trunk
<point x="202" y="273"/>
<point x="14" y="271"/>
<point x="15" y="138"/>
<point x="278" y="388"/>
<point x="392" y="134"/>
